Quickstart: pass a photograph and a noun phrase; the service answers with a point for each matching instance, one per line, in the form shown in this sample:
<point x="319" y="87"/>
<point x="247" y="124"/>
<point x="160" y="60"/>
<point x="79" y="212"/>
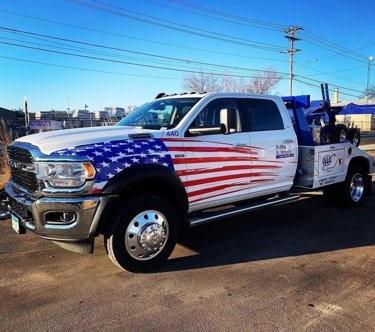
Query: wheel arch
<point x="146" y="179"/>
<point x="360" y="161"/>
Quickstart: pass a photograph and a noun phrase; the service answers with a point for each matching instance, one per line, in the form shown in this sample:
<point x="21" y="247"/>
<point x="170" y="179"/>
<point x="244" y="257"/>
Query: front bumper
<point x="41" y="216"/>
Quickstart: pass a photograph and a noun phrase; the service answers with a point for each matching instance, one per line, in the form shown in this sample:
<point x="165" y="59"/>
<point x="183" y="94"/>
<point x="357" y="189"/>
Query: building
<point x="51" y="115"/>
<point x="118" y="112"/>
<point x="100" y="115"/>
<point x="81" y="114"/>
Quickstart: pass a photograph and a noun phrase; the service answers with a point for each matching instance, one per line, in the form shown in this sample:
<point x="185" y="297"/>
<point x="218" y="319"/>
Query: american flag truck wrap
<point x="177" y="161"/>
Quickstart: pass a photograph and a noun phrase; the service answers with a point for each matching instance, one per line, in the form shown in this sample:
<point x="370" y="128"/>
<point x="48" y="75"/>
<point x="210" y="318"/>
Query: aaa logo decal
<point x="329" y="162"/>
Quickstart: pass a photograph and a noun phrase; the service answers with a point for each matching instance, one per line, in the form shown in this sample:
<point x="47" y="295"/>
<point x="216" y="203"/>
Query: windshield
<point x="160" y="113"/>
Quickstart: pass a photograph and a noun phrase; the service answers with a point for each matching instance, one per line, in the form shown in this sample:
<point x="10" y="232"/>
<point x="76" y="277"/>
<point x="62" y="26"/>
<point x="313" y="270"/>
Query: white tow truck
<point x="177" y="161"/>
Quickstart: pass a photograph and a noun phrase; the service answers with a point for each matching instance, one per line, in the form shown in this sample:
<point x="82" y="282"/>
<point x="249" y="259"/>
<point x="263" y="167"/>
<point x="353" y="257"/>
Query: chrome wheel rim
<point x="146" y="235"/>
<point x="357" y="187"/>
<point x="355" y="139"/>
<point x="342" y="136"/>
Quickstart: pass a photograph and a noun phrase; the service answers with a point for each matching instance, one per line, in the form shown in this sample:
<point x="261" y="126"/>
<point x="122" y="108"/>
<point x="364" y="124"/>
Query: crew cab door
<point x="273" y="144"/>
<point x="217" y="156"/>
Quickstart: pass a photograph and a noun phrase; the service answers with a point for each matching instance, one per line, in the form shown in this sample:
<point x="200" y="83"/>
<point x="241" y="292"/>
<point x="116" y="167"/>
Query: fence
<point x="365" y="122"/>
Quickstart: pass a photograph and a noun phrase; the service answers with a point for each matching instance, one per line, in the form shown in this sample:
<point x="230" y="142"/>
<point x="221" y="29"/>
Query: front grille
<point x="18" y="159"/>
<point x="19" y="154"/>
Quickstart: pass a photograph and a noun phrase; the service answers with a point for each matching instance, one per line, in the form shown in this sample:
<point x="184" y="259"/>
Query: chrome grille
<point x="19" y="154"/>
<point x="18" y="158"/>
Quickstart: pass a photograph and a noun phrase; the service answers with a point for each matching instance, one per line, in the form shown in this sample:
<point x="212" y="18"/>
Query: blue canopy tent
<point x="358" y="109"/>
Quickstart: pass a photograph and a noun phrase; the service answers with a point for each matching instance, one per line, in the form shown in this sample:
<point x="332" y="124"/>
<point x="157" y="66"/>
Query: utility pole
<point x="291" y="51"/>
<point x="370" y="58"/>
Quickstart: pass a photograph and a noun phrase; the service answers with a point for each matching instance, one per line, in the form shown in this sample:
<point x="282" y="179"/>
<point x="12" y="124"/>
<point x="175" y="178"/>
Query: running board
<point x="206" y="217"/>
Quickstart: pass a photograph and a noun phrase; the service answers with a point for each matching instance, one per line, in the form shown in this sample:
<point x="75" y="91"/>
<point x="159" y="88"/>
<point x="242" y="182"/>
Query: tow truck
<point x="178" y="161"/>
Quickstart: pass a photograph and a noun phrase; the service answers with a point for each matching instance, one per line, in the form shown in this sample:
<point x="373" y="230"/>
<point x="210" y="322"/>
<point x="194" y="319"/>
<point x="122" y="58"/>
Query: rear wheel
<point x="143" y="233"/>
<point x="353" y="189"/>
<point x="349" y="193"/>
<point x="354" y="136"/>
<point x="340" y="134"/>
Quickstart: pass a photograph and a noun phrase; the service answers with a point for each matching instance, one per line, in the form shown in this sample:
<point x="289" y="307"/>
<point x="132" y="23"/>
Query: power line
<point x="221" y="16"/>
<point x="28" y="33"/>
<point x="317" y="41"/>
<point x="320" y="73"/>
<point x="236" y="17"/>
<point x="180" y="27"/>
<point x="322" y="42"/>
<point x="319" y="81"/>
<point x="158" y="56"/>
<point x="138" y="39"/>
<point x="314" y="86"/>
<point x="296" y="77"/>
<point x="85" y="69"/>
<point x="332" y="47"/>
<point x="126" y="62"/>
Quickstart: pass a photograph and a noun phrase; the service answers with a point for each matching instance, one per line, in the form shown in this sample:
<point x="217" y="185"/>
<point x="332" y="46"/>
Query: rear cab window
<point x="259" y="114"/>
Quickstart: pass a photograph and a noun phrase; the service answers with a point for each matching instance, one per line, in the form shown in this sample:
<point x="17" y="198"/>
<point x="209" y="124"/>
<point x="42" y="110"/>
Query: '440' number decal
<point x="173" y="133"/>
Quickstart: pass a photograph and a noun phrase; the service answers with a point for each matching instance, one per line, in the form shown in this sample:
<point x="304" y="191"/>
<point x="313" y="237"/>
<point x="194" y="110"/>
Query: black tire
<point x="340" y="134"/>
<point x="352" y="191"/>
<point x="354" y="136"/>
<point x="143" y="233"/>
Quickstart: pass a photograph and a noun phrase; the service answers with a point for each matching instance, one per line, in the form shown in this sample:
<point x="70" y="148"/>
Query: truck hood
<point x="52" y="141"/>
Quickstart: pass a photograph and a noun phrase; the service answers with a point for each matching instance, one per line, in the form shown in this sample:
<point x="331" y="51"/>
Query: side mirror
<point x="228" y="117"/>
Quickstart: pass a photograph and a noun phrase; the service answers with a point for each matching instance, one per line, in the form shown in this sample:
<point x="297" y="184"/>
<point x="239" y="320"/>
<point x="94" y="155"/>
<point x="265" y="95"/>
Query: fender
<point x="150" y="172"/>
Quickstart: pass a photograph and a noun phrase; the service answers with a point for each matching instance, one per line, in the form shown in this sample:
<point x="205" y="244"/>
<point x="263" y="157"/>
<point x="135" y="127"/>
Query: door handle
<point x="288" y="141"/>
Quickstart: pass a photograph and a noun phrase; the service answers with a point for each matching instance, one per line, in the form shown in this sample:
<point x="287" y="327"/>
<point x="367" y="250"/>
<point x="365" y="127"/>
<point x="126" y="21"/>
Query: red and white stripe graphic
<point x="212" y="169"/>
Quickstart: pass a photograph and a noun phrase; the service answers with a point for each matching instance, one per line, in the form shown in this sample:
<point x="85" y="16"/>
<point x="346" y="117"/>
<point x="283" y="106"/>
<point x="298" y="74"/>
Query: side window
<point x="259" y="114"/>
<point x="210" y="117"/>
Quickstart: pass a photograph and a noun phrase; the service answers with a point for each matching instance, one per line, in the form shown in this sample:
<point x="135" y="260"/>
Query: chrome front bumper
<point x="42" y="216"/>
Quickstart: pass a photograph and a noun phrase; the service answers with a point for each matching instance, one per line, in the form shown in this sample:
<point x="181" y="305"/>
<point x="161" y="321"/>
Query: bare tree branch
<point x="370" y="93"/>
<point x="202" y="82"/>
<point x="263" y="83"/>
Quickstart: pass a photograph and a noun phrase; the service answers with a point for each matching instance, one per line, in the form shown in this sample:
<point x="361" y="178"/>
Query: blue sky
<point x="64" y="54"/>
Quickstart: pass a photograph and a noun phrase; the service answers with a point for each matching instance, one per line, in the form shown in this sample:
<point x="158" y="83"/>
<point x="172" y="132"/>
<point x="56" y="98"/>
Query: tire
<point x="354" y="136"/>
<point x="143" y="233"/>
<point x="340" y="134"/>
<point x="352" y="191"/>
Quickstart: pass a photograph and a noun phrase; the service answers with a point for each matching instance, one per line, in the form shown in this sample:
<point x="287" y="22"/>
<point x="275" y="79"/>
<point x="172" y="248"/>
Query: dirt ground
<point x="303" y="266"/>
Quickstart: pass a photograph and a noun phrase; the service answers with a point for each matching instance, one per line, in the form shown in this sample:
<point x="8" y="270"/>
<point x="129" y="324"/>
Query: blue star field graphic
<point x="110" y="158"/>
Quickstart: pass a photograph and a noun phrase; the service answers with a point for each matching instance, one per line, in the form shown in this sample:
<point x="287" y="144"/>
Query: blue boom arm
<point x="297" y="104"/>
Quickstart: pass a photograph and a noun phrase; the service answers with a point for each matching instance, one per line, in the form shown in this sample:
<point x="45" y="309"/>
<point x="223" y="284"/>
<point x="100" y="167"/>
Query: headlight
<point x="65" y="174"/>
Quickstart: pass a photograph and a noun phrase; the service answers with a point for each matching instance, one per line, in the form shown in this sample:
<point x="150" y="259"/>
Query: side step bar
<point x="206" y="217"/>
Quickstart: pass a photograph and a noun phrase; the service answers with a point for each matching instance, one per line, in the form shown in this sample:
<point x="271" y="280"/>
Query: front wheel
<point x="143" y="233"/>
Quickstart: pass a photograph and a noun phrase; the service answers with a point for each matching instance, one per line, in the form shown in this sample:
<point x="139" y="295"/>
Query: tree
<point x="130" y="109"/>
<point x="202" y="82"/>
<point x="262" y="83"/>
<point x="370" y="93"/>
<point x="5" y="140"/>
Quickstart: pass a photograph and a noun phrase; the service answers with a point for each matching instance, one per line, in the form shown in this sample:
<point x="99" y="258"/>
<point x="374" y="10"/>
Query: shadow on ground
<point x="307" y="226"/>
